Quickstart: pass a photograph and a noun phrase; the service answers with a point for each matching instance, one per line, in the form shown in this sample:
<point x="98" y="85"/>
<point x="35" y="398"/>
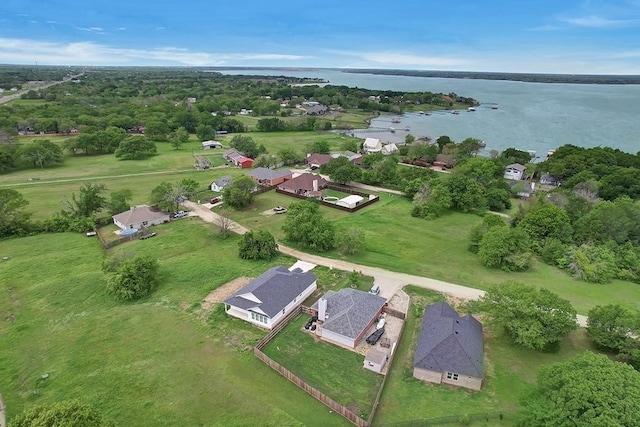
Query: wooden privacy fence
<point x="332" y="404"/>
<point x="110" y="244"/>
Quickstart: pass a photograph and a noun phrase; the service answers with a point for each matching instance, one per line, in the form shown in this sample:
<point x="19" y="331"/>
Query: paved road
<point x="18" y="94"/>
<point x="389" y="281"/>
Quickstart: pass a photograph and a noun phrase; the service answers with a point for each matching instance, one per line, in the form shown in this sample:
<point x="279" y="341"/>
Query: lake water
<point x="530" y="116"/>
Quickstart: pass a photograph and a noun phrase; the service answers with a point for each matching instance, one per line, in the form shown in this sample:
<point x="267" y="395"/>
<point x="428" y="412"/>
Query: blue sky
<point x="545" y="36"/>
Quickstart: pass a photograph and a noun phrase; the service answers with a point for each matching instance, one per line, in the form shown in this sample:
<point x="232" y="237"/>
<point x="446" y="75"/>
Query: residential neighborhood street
<point x="389" y="281"/>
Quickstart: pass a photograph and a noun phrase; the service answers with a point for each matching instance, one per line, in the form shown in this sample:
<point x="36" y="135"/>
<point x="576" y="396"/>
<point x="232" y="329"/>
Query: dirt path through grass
<point x="389" y="281"/>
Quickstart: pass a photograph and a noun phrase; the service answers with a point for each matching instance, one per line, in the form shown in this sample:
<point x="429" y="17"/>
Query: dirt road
<point x="389" y="281"/>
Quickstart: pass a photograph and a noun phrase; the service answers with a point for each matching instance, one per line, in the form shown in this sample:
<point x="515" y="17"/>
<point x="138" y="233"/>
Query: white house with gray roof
<point x="450" y="349"/>
<point x="138" y="217"/>
<point x="267" y="299"/>
<point x="514" y="171"/>
<point x="346" y="316"/>
<point x="219" y="184"/>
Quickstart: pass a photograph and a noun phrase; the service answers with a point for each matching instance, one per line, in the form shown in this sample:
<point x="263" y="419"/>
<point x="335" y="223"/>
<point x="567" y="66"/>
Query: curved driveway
<point x="389" y="281"/>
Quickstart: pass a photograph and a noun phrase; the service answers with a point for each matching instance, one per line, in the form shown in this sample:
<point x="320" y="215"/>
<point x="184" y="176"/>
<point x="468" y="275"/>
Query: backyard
<point x="155" y="361"/>
<point x="333" y="370"/>
<point x="509" y="374"/>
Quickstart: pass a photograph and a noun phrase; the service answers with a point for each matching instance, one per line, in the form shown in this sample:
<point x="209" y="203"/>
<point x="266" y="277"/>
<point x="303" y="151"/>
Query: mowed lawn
<point x="333" y="370"/>
<point x="158" y="361"/>
<point x="435" y="248"/>
<point x="510" y="373"/>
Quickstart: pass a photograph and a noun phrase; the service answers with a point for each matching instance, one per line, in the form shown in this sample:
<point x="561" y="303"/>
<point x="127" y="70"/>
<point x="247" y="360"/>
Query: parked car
<point x="214" y="200"/>
<point x="147" y="236"/>
<point x="279" y="209"/>
<point x="375" y="337"/>
<point x="375" y="290"/>
<point x="180" y="214"/>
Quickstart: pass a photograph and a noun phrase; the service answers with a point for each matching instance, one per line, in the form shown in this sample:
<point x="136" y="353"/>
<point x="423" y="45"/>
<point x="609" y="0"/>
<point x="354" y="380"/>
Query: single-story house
<point x="345" y="317"/>
<point x="268" y="177"/>
<point x="305" y="184"/>
<point x="317" y="110"/>
<point x="372" y="145"/>
<point x="219" y="184"/>
<point x="375" y="360"/>
<point x="389" y="149"/>
<point x="237" y="158"/>
<point x="522" y="189"/>
<point x="140" y="216"/>
<point x="269" y="298"/>
<point x="444" y="162"/>
<point x="316" y="160"/>
<point x="350" y="201"/>
<point x="207" y="145"/>
<point x="514" y="171"/>
<point x="450" y="349"/>
<point x="549" y="179"/>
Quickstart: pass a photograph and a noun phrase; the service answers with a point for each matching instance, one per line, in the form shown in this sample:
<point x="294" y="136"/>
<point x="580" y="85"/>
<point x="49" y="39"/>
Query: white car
<point x="180" y="214"/>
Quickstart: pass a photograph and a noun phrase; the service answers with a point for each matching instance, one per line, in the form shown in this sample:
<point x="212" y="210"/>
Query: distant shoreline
<point x="519" y="77"/>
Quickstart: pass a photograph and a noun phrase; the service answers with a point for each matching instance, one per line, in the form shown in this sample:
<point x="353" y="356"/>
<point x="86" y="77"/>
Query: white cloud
<point x="97" y="30"/>
<point x="121" y="28"/>
<point x="21" y="51"/>
<point x="594" y="21"/>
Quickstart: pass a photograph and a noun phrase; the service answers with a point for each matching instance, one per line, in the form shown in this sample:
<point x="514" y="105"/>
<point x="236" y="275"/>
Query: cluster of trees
<point x="306" y="226"/>
<point x="58" y="414"/>
<point x="36" y="154"/>
<point x="275" y="124"/>
<point x="258" y="245"/>
<point x="616" y="329"/>
<point x="586" y="390"/>
<point x="534" y="318"/>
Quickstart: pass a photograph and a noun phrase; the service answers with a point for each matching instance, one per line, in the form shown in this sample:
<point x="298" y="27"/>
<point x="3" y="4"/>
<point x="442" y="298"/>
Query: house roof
<point x="318" y="159"/>
<point x="371" y="143"/>
<point x="223" y="182"/>
<point x="138" y="214"/>
<point x="350" y="311"/>
<point x="517" y="166"/>
<point x="548" y="178"/>
<point x="266" y="173"/>
<point x="318" y="109"/>
<point x="450" y="343"/>
<point x="211" y="143"/>
<point x="233" y="154"/>
<point x="390" y="148"/>
<point x="304" y="181"/>
<point x="270" y="292"/>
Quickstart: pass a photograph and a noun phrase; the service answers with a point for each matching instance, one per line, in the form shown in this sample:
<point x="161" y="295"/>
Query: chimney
<point x="322" y="309"/>
<point x="315" y="185"/>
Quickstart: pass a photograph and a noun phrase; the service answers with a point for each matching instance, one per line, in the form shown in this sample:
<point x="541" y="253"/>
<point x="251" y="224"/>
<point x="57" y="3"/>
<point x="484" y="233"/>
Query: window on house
<point x="259" y="317"/>
<point x="452" y="376"/>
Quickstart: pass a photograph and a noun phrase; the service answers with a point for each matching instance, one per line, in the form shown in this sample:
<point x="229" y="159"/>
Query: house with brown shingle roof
<point x="305" y="184"/>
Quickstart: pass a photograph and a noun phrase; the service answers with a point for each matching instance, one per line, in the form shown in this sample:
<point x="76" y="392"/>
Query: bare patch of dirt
<point x="222" y="293"/>
<point x="268" y="212"/>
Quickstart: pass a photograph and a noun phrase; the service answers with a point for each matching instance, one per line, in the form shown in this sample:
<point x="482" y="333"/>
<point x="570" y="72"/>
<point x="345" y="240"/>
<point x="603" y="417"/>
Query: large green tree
<point x="119" y="201"/>
<point x="505" y="248"/>
<point x="535" y="318"/>
<point x="613" y="326"/>
<point x="135" y="148"/>
<point x="89" y="200"/>
<point x="585" y="391"/>
<point x="547" y="221"/>
<point x="306" y="226"/>
<point x="258" y="245"/>
<point x="239" y="193"/>
<point x="41" y="153"/>
<point x="247" y="145"/>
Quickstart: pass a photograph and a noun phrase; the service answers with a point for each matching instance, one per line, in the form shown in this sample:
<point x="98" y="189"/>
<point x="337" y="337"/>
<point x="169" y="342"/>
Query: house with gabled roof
<point x="269" y="298"/>
<point x="345" y="317"/>
<point x="138" y="217"/>
<point x="316" y="160"/>
<point x="514" y="171"/>
<point x="450" y="349"/>
<point x="305" y="184"/>
<point x="268" y="177"/>
<point x="238" y="158"/>
<point x="372" y="145"/>
<point x="219" y="184"/>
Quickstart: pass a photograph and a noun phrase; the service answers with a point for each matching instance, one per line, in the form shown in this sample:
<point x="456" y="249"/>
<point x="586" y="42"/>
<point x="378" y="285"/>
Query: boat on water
<point x="421" y="112"/>
<point x="455" y="112"/>
<point x="494" y="107"/>
<point x="395" y="120"/>
<point x="471" y="109"/>
<point x="550" y="153"/>
<point x="392" y="129"/>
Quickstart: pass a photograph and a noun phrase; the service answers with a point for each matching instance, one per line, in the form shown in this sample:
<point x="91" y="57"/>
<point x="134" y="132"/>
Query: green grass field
<point x="335" y="371"/>
<point x="159" y="361"/>
<point x="509" y="374"/>
<point x="438" y="249"/>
